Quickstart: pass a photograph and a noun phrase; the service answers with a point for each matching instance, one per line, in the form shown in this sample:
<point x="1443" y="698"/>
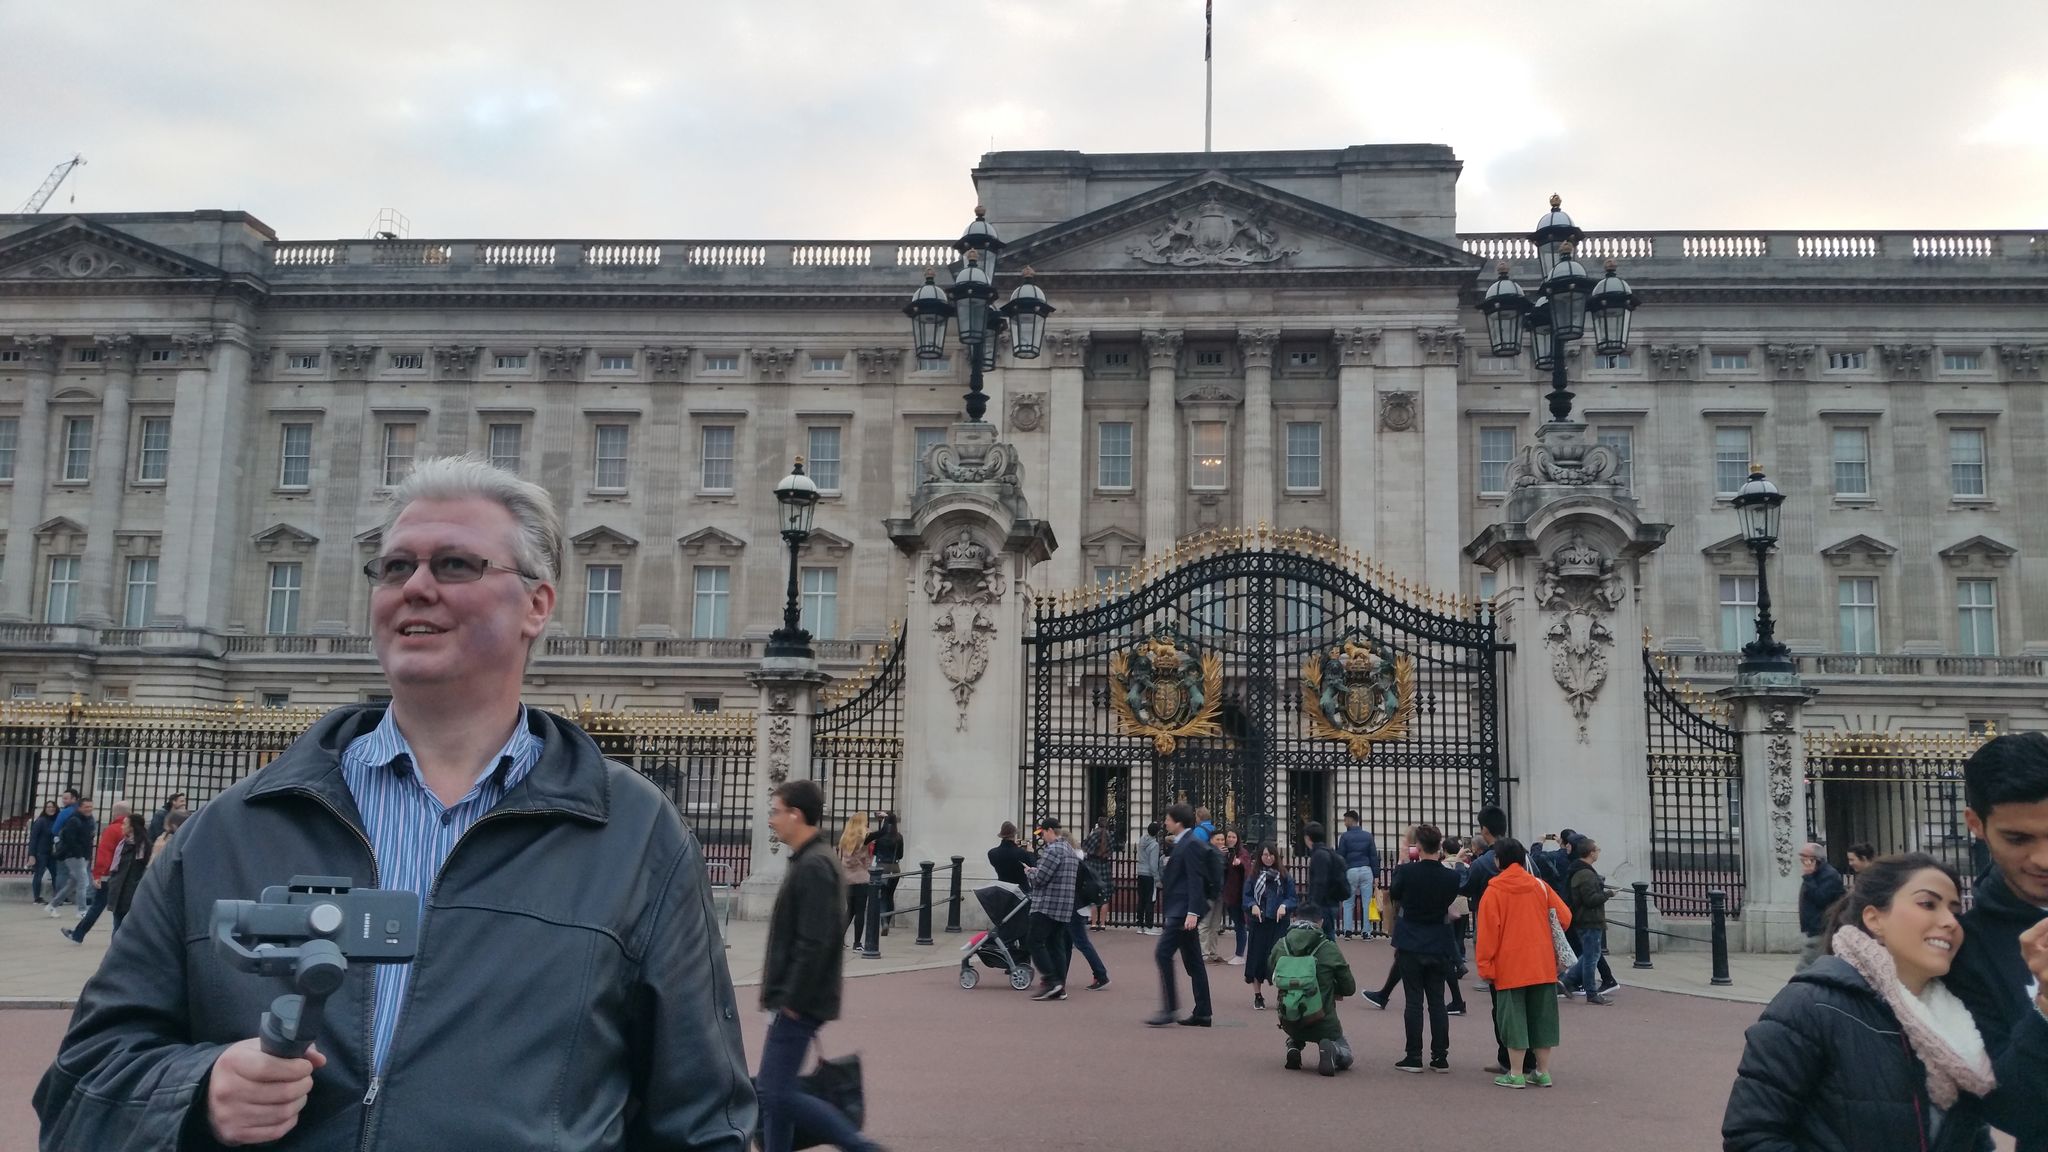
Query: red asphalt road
<point x="949" y="1069"/>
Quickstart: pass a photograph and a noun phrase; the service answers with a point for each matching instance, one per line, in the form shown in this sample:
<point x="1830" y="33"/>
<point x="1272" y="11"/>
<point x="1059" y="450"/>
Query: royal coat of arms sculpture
<point x="1355" y="694"/>
<point x="1167" y="692"/>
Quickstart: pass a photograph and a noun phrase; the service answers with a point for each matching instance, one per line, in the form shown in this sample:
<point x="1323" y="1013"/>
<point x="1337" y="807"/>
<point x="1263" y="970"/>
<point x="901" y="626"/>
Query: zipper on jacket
<point x="370" y="1007"/>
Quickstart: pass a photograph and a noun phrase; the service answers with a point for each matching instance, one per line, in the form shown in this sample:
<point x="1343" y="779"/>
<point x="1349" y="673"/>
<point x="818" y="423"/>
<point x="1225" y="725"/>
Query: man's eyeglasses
<point x="446" y="568"/>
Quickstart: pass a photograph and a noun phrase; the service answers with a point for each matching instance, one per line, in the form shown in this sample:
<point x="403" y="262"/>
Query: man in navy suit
<point x="1184" y="901"/>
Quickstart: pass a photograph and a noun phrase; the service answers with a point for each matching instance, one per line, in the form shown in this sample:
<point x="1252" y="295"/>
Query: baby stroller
<point x="1004" y="945"/>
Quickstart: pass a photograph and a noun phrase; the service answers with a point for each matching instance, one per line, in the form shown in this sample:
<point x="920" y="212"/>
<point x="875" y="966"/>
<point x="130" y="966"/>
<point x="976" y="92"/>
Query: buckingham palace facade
<point x="198" y="419"/>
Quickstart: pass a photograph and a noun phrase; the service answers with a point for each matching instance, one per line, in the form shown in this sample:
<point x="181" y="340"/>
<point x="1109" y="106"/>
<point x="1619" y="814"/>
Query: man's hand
<point x="1192" y="921"/>
<point x="2034" y="951"/>
<point x="255" y="1098"/>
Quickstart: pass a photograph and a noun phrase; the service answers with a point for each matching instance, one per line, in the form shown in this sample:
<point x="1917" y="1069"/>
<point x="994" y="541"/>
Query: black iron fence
<point x="857" y="738"/>
<point x="1896" y="791"/>
<point x="144" y="755"/>
<point x="1695" y="774"/>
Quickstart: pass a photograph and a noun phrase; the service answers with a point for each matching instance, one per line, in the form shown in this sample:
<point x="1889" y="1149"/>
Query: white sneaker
<point x="1237" y="961"/>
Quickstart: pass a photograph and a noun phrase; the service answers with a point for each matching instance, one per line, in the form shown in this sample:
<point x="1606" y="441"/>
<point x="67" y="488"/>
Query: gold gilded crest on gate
<point x="1168" y="692"/>
<point x="1355" y="694"/>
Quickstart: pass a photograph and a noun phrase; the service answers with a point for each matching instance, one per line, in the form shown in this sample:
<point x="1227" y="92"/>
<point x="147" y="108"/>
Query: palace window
<point x="78" y="448"/>
<point x="1733" y="454"/>
<point x="85" y="355"/>
<point x="1209" y="462"/>
<point x="823" y="464"/>
<point x="717" y="472"/>
<point x="1977" y="617"/>
<point x="1966" y="462"/>
<point x="1856" y="600"/>
<point x="155" y="462"/>
<point x="1728" y="361"/>
<point x="1962" y="361"/>
<point x="603" y="597"/>
<point x="1623" y="441"/>
<point x="721" y="363"/>
<point x="61" y="606"/>
<point x="295" y="467"/>
<point x="1304" y="457"/>
<point x="820" y="603"/>
<point x="408" y="361"/>
<point x="711" y="607"/>
<point x="510" y="361"/>
<point x="1113" y="454"/>
<point x="140" y="603"/>
<point x="10" y="435"/>
<point x="282" y="615"/>
<point x="505" y="446"/>
<point x="1496" y="449"/>
<point x="1847" y="361"/>
<point x="611" y="458"/>
<point x="400" y="443"/>
<point x="828" y="363"/>
<point x="161" y="355"/>
<point x="303" y="361"/>
<point x="1852" y="461"/>
<point x="1738" y="612"/>
<point x="1614" y="361"/>
<point x="615" y="362"/>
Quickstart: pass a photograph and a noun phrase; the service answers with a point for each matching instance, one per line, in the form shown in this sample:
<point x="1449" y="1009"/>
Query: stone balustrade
<point x="74" y="636"/>
<point x="1869" y="665"/>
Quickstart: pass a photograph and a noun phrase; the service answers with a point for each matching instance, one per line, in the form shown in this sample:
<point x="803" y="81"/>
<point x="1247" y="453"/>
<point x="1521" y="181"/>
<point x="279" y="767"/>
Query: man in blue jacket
<point x="2005" y="789"/>
<point x="1820" y="887"/>
<point x="1361" y="864"/>
<point x="1183" y="901"/>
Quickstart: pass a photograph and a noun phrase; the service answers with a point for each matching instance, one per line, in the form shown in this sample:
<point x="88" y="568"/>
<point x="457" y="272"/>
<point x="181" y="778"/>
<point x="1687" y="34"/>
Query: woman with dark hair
<point x="41" y="843"/>
<point x="887" y="844"/>
<point x="1096" y="853"/>
<point x="1238" y="867"/>
<point x="1867" y="1049"/>
<point x="854" y="854"/>
<point x="131" y="855"/>
<point x="1268" y="901"/>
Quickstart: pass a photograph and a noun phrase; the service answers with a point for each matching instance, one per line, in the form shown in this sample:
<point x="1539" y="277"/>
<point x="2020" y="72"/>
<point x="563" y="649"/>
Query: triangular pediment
<point x="711" y="541"/>
<point x="60" y="526"/>
<point x="1113" y="547"/>
<point x="284" y="534"/>
<point x="1978" y="550"/>
<point x="1728" y="551"/>
<point x="1215" y="222"/>
<point x="76" y="248"/>
<point x="1859" y="549"/>
<point x="602" y="536"/>
<point x="829" y="542"/>
<point x="370" y="541"/>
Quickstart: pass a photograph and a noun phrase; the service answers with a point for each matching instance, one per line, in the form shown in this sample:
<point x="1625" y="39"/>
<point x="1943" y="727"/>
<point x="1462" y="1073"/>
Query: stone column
<point x="189" y="438"/>
<point x="1261" y="460"/>
<point x="96" y="599"/>
<point x="1163" y="463"/>
<point x="1767" y="714"/>
<point x="1071" y="460"/>
<point x="1441" y="563"/>
<point x="218" y="539"/>
<point x="1571" y="556"/>
<point x="788" y="688"/>
<point x="1357" y="468"/>
<point x="31" y="463"/>
<point x="972" y="545"/>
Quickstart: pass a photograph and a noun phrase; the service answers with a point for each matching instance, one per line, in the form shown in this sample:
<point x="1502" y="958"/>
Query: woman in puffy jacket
<point x="1866" y="1051"/>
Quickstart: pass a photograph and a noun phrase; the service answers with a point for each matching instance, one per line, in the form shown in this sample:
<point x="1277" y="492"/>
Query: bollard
<point x="953" y="897"/>
<point x="1642" y="924"/>
<point x="924" y="902"/>
<point x="1717" y="911"/>
<point x="871" y="932"/>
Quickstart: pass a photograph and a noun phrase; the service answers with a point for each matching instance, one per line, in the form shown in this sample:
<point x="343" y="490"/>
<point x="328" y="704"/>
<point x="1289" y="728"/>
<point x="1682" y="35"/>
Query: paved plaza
<point x="947" y="1067"/>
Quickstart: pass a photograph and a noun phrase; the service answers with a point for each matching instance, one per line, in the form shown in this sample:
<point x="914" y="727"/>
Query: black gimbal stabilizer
<point x="308" y="931"/>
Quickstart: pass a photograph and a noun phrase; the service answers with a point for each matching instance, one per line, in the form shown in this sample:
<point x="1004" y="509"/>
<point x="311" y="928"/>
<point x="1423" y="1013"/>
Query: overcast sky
<point x="862" y="118"/>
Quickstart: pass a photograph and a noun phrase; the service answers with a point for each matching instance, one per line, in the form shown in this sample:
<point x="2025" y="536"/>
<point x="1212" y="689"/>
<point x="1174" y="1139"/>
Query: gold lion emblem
<point x="1166" y="692"/>
<point x="1354" y="694"/>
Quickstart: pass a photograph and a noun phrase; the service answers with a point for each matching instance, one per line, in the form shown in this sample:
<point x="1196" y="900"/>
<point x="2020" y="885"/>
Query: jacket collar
<point x="1996" y="897"/>
<point x="569" y="778"/>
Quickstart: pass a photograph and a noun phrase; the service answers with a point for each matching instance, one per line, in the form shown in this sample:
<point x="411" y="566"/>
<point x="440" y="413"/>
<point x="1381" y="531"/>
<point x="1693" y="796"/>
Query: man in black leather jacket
<point x="569" y="988"/>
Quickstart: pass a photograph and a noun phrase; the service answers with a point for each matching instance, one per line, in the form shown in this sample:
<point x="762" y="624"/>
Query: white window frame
<point x="708" y="464"/>
<point x="1725" y="459"/>
<point x="10" y="441"/>
<point x="1851" y="475"/>
<point x="408" y="361"/>
<point x="1107" y="460"/>
<point x="60" y="598"/>
<point x="615" y="362"/>
<point x="1737" y="597"/>
<point x="1847" y="360"/>
<point x="302" y="362"/>
<point x="711" y="601"/>
<point x="604" y="599"/>
<point x="1962" y="360"/>
<point x="138" y="604"/>
<point x="825" y="468"/>
<point x="1621" y="438"/>
<point x="1960" y="470"/>
<point x="827" y="363"/>
<point x="611" y="462"/>
<point x="1313" y="482"/>
<point x="1624" y="361"/>
<point x="1728" y="360"/>
<point x="1856" y="615"/>
<point x="153" y="463"/>
<point x="819" y="607"/>
<point x="1204" y="476"/>
<point x="1977" y="617"/>
<point x="162" y="356"/>
<point x="499" y="458"/>
<point x="398" y="465"/>
<point x="286" y="589"/>
<point x="285" y="456"/>
<point x="1107" y="574"/>
<point x="508" y="362"/>
<point x="78" y="446"/>
<point x="1492" y="478"/>
<point x="721" y="362"/>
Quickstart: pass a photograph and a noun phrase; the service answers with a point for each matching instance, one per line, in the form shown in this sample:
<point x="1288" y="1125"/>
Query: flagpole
<point x="1208" y="73"/>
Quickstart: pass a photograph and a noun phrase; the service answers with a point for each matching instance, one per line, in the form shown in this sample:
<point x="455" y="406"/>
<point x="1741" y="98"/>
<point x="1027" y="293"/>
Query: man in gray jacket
<point x="541" y="1007"/>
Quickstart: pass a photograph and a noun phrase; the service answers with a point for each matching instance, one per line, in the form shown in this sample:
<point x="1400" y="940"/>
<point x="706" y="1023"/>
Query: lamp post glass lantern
<point x="1567" y="302"/>
<point x="797" y="498"/>
<point x="970" y="302"/>
<point x="1758" y="504"/>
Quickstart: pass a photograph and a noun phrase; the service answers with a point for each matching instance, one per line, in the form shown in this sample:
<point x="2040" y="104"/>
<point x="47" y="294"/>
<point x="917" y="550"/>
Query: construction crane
<point x="42" y="195"/>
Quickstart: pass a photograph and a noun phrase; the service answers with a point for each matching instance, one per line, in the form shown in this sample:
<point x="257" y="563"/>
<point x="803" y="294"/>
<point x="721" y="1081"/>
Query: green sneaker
<point x="1511" y="1080"/>
<point x="1541" y="1080"/>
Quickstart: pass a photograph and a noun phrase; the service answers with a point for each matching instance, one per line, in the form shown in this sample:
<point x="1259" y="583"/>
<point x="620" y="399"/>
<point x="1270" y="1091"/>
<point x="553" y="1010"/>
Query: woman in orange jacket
<point x="1517" y="957"/>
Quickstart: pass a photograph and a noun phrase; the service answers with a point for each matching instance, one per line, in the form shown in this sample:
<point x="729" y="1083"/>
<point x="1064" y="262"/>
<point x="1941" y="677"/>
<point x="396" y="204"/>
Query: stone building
<point x="197" y="419"/>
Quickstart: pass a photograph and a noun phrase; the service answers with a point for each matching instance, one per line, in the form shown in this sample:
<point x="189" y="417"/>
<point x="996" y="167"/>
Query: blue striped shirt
<point x="411" y="832"/>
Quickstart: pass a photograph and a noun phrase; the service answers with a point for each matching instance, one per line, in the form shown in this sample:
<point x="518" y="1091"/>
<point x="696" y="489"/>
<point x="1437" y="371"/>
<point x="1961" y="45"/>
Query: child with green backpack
<point x="1309" y="976"/>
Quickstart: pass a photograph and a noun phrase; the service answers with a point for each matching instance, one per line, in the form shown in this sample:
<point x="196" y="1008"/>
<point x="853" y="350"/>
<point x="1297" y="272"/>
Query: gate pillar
<point x="1569" y="557"/>
<point x="788" y="687"/>
<point x="1767" y="710"/>
<point x="972" y="544"/>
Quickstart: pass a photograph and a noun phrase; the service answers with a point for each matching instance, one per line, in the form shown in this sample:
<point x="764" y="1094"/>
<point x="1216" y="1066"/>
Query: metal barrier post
<point x="953" y="897"/>
<point x="1717" y="909"/>
<point x="871" y="932"/>
<point x="924" y="902"/>
<point x="1642" y="924"/>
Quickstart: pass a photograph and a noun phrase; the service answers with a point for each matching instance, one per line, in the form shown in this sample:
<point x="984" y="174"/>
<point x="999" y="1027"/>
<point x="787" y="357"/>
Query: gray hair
<point x="538" y="548"/>
<point x="120" y="810"/>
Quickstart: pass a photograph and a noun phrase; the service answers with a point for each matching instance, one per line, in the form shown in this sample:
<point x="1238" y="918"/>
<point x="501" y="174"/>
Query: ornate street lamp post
<point x="970" y="301"/>
<point x="1758" y="503"/>
<point x="798" y="497"/>
<point x="1569" y="301"/>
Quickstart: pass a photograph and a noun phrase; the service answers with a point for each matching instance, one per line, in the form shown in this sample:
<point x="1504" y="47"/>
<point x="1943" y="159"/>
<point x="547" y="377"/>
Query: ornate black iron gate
<point x="1695" y="770"/>
<point x="1275" y="679"/>
<point x="857" y="738"/>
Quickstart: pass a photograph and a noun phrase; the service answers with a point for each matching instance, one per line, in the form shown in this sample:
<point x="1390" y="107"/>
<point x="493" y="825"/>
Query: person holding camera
<point x="569" y="981"/>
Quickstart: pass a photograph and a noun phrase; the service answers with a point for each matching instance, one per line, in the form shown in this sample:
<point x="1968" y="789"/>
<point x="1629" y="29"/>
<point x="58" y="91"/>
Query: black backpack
<point x="1212" y="871"/>
<point x="1087" y="887"/>
<point x="1336" y="886"/>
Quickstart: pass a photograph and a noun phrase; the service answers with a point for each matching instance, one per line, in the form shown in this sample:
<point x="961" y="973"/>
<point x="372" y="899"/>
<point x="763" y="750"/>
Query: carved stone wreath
<point x="1579" y="587"/>
<point x="1397" y="411"/>
<point x="1027" y="411"/>
<point x="966" y="576"/>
